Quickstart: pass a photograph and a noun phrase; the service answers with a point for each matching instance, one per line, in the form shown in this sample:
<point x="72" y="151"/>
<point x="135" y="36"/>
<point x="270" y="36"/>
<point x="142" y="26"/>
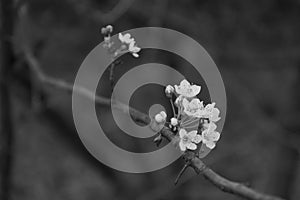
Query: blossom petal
<point x="215" y="115"/>
<point x="185" y="102"/>
<point x="193" y="108"/>
<point x="182" y="133"/>
<point x="184" y="83"/>
<point x="121" y="37"/>
<point x="192" y="134"/>
<point x="214" y="136"/>
<point x="191" y="146"/>
<point x="210" y="144"/>
<point x="212" y="126"/>
<point x="133" y="48"/>
<point x="127" y="38"/>
<point x="135" y="55"/>
<point x="209" y="107"/>
<point x="182" y="146"/>
<point x="183" y="87"/>
<point x="196" y="89"/>
<point x="197" y="102"/>
<point x="176" y="89"/>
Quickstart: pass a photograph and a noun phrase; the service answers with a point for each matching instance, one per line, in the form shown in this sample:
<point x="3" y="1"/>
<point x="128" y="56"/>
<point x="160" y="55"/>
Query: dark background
<point x="256" y="46"/>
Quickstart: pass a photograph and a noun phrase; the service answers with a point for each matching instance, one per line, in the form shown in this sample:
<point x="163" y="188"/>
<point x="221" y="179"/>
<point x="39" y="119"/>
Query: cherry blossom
<point x="210" y="136"/>
<point x="129" y="43"/>
<point x="126" y="38"/>
<point x="134" y="49"/>
<point x="188" y="140"/>
<point x="211" y="112"/>
<point x="193" y="108"/>
<point x="187" y="90"/>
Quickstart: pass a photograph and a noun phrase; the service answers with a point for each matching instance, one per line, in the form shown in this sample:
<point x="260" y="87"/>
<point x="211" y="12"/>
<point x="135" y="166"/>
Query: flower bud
<point x="106" y="30"/>
<point x="109" y="28"/>
<point x="174" y="121"/>
<point x="169" y="91"/>
<point x="178" y="101"/>
<point x="160" y="117"/>
<point x="163" y="114"/>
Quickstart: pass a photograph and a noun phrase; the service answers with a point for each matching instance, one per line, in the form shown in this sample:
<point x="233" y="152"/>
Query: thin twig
<point x="173" y="108"/>
<point x="186" y="165"/>
<point x="197" y="164"/>
<point x="111" y="75"/>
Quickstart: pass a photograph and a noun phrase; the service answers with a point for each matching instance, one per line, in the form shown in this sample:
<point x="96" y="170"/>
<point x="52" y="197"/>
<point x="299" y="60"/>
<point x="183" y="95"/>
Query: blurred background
<point x="255" y="44"/>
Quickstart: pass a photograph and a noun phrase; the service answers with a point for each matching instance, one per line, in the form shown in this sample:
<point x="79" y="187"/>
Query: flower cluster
<point x="128" y="43"/>
<point x="194" y="122"/>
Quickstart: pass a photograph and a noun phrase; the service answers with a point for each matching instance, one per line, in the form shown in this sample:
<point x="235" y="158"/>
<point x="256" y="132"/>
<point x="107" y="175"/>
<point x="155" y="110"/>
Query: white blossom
<point x="134" y="49"/>
<point x="188" y="140"/>
<point x="130" y="44"/>
<point x="126" y="38"/>
<point x="211" y="112"/>
<point x="193" y="108"/>
<point x="210" y="136"/>
<point x="186" y="89"/>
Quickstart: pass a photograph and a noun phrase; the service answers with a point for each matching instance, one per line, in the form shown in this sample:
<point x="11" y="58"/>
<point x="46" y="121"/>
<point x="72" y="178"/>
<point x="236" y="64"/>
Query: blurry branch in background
<point x="84" y="8"/>
<point x="6" y="127"/>
<point x="190" y="158"/>
<point x="283" y="166"/>
<point x="61" y="84"/>
<point x="266" y="124"/>
<point x="115" y="13"/>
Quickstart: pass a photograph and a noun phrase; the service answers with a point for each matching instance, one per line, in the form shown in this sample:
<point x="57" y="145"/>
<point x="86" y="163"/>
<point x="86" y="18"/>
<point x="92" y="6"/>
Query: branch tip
<point x="186" y="165"/>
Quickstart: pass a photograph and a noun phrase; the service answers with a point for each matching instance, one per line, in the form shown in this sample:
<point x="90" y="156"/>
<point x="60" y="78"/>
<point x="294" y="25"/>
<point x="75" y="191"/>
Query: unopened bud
<point x="163" y="114"/>
<point x="174" y="121"/>
<point x="160" y="117"/>
<point x="169" y="91"/>
<point x="109" y="28"/>
<point x="106" y="30"/>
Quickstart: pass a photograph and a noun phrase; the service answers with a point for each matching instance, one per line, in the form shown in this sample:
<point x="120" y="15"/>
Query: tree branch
<point x="84" y="8"/>
<point x="199" y="167"/>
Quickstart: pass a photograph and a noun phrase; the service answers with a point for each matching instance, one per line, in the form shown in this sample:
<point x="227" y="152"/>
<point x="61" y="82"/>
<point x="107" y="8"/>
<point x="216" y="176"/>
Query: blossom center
<point x="186" y="139"/>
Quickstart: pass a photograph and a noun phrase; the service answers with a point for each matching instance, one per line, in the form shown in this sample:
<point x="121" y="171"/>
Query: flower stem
<point x="190" y="121"/>
<point x="111" y="75"/>
<point x="190" y="126"/>
<point x="173" y="108"/>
